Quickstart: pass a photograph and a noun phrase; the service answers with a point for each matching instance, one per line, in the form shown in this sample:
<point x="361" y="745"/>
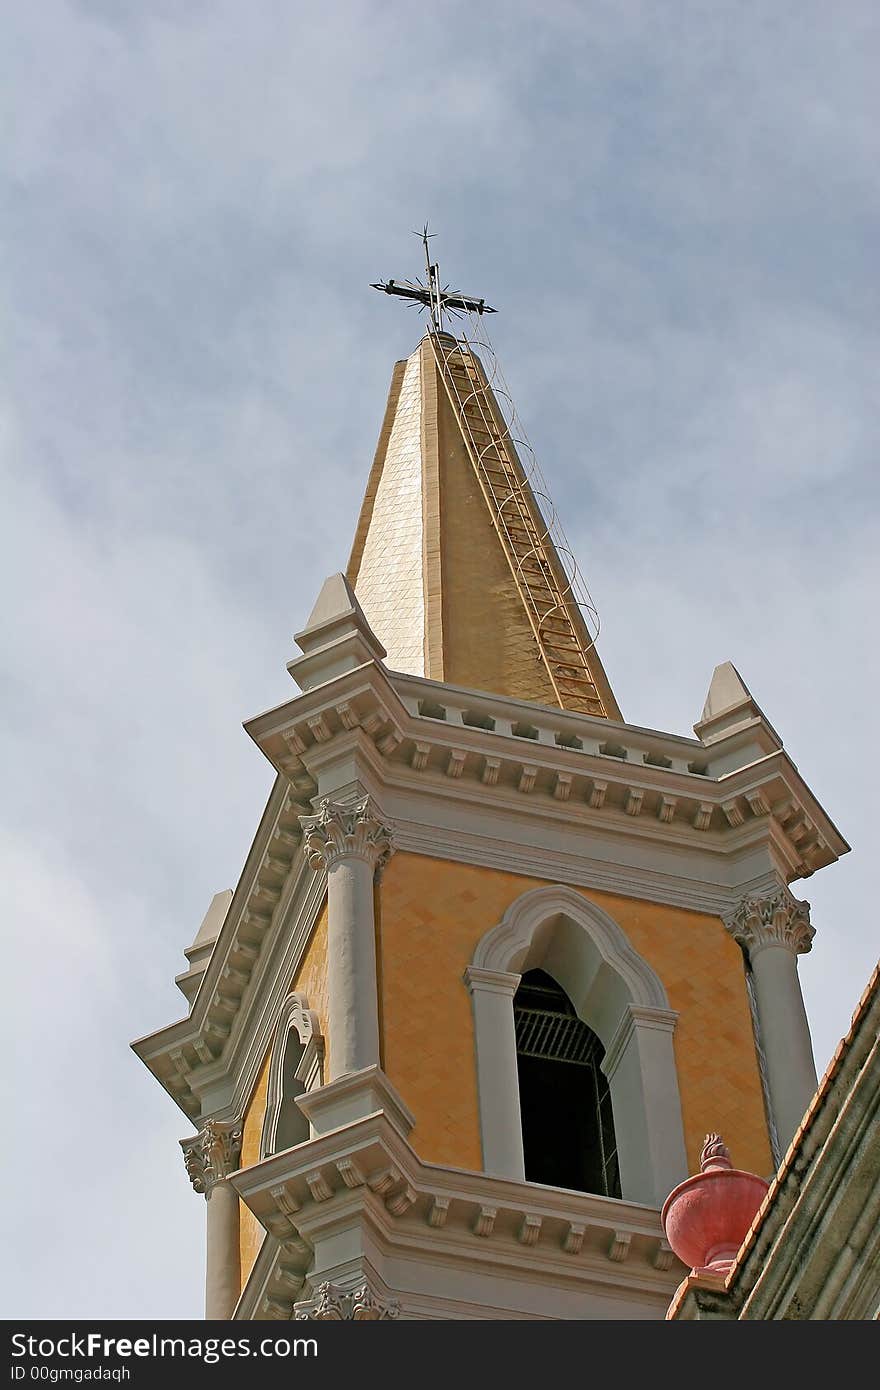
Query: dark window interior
<point x="293" y="1127"/>
<point x="568" y="1127"/>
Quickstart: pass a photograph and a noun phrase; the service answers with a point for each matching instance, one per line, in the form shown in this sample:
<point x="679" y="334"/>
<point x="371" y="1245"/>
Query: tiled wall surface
<point x="390" y="585"/>
<point x="432" y="916"/>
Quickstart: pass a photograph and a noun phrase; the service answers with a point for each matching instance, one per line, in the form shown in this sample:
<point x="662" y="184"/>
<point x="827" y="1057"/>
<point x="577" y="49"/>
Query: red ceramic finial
<point x="715" y="1155"/>
<point x="706" y="1217"/>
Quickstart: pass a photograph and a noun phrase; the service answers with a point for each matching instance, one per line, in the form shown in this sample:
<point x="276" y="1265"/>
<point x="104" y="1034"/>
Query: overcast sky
<point x="673" y="206"/>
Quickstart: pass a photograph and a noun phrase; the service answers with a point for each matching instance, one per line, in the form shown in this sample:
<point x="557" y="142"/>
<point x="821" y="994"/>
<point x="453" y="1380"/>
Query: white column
<point x="210" y="1157"/>
<point x="775" y="930"/>
<point x="640" y="1066"/>
<point x="350" y="841"/>
<point x="492" y="994"/>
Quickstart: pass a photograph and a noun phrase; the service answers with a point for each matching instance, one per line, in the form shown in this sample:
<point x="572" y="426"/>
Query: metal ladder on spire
<point x="547" y="592"/>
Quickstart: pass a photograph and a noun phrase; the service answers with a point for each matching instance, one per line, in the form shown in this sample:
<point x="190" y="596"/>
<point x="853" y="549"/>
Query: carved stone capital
<point x="346" y="830"/>
<point x="212" y="1154"/>
<point x="776" y="920"/>
<point x="334" y="1304"/>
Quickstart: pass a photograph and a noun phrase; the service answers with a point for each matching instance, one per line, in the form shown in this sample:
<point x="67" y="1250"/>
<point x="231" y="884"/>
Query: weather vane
<point x="436" y="298"/>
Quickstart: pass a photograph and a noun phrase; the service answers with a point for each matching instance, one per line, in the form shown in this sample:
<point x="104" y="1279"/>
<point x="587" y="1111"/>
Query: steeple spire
<point x="459" y="559"/>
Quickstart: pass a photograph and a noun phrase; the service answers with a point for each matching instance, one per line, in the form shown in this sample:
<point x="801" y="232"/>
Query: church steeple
<point x="494" y="965"/>
<point x="462" y="573"/>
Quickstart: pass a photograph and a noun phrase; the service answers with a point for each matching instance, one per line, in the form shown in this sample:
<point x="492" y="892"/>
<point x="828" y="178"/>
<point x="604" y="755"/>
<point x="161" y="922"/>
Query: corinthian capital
<point x="212" y="1154"/>
<point x="346" y="830"/>
<point x="334" y="1304"/>
<point x="776" y="920"/>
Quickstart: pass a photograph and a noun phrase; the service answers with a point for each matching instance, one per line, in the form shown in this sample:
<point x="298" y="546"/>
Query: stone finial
<point x="715" y="1155"/>
<point x="336" y="638"/>
<point x="730" y="705"/>
<point x="705" y="1218"/>
<point x="779" y="919"/>
<point x="212" y="1154"/>
<point x="727" y="691"/>
<point x="346" y="830"/>
<point x="337" y="600"/>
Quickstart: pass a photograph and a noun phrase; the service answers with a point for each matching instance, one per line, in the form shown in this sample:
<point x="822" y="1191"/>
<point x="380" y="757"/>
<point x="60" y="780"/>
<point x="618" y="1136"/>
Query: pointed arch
<point x="618" y="994"/>
<point x="296" y="1065"/>
<point x="528" y="933"/>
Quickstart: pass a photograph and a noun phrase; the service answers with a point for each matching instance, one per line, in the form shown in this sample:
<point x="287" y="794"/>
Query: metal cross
<point x="436" y="298"/>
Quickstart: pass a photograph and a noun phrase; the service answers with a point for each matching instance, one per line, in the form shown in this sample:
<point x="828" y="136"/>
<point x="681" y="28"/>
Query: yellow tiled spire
<point x="451" y="560"/>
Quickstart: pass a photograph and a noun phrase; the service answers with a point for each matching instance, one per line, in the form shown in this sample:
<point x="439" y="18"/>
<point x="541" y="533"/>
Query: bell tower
<point x="497" y="960"/>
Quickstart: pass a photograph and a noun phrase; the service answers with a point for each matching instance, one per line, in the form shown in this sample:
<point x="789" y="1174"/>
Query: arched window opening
<point x="565" y="1100"/>
<point x="577" y="945"/>
<point x="296" y="1066"/>
<point x="292" y="1127"/>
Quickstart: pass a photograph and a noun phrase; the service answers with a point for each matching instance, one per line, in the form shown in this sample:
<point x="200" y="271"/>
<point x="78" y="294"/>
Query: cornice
<point x="585" y="853"/>
<point x="368" y="1171"/>
<point x="187" y="1052"/>
<point x="240" y="1065"/>
<point x="664" y="797"/>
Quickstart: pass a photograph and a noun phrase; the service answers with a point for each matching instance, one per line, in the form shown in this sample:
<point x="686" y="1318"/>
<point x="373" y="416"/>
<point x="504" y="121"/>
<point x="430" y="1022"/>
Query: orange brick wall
<point x="434" y="912"/>
<point x="310" y="980"/>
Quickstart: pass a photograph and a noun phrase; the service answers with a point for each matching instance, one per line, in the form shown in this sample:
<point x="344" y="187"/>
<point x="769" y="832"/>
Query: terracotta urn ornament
<point x="706" y="1217"/>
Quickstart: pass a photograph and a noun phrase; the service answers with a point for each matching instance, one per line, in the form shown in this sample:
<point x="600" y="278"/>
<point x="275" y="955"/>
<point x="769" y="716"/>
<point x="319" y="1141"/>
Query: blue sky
<point x="674" y="207"/>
